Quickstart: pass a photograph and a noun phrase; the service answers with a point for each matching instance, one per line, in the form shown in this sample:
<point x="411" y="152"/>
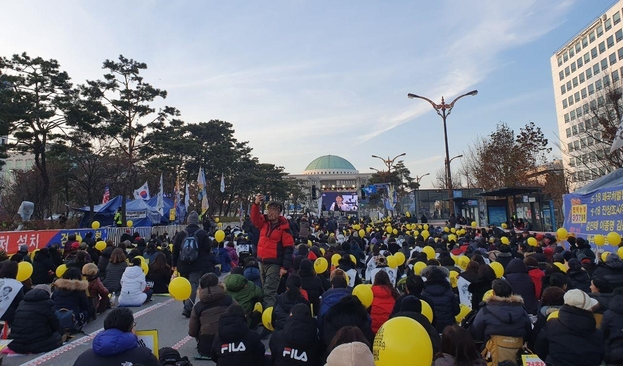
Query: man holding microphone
<point x="275" y="246"/>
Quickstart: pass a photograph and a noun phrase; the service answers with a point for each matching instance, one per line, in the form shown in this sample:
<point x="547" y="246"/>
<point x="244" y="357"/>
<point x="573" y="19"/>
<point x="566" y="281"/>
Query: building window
<point x="578" y="112"/>
<point x="571" y="52"/>
<point x="619" y="35"/>
<point x="612" y="58"/>
<point x="583" y="93"/>
<point x="583" y="143"/>
<point x="600" y="101"/>
<point x="587" y="58"/>
<point x="616" y="17"/>
<point x="579" y="62"/>
<point x="567" y="71"/>
<point x="600" y="31"/>
<point x="594" y="53"/>
<point x="610" y="41"/>
<point x="573" y="67"/>
<point x="580" y="125"/>
<point x="569" y="85"/>
<point x="615" y="75"/>
<point x="584" y="41"/>
<point x="563" y="90"/>
<point x="602" y="47"/>
<point x="576" y="96"/>
<point x="606" y="80"/>
<point x="582" y="78"/>
<point x="570" y="100"/>
<point x="567" y="118"/>
<point x="589" y="73"/>
<point x="568" y="132"/>
<point x="591" y="89"/>
<point x="608" y="24"/>
<point x="564" y="103"/>
<point x="565" y="57"/>
<point x="585" y="107"/>
<point x="591" y="37"/>
<point x="620" y="52"/>
<point x="576" y="145"/>
<point x="598" y="85"/>
<point x="593" y="104"/>
<point x="578" y="47"/>
<point x="596" y="69"/>
<point x="604" y="64"/>
<point x="574" y="128"/>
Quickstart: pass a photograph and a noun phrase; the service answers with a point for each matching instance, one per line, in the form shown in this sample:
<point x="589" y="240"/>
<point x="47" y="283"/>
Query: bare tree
<point x="441" y="180"/>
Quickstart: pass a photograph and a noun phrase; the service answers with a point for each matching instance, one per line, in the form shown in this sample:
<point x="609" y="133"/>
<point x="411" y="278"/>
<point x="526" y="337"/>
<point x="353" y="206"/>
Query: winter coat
<point x="448" y="360"/>
<point x="330" y="298"/>
<point x="611" y="271"/>
<point x="517" y="276"/>
<point x="42" y="265"/>
<point x="276" y="244"/>
<point x="382" y="306"/>
<point x="114" y="272"/>
<point x="204" y="319"/>
<point x="612" y="321"/>
<point x="432" y="332"/>
<point x="341" y="315"/>
<point x="253" y="274"/>
<point x="313" y="285"/>
<point x="571" y="339"/>
<point x="580" y="280"/>
<point x="114" y="347"/>
<point x="159" y="280"/>
<point x="304" y="230"/>
<point x="35" y="329"/>
<point x="243" y="291"/>
<point x="537" y="275"/>
<point x="351" y="354"/>
<point x="71" y="295"/>
<point x="205" y="261"/>
<point x="297" y="343"/>
<point x="504" y="259"/>
<point x="104" y="259"/>
<point x="132" y="286"/>
<point x="444" y="303"/>
<point x="501" y="316"/>
<point x="233" y="255"/>
<point x="282" y="308"/>
<point x="223" y="258"/>
<point x="235" y="344"/>
<point x="97" y="291"/>
<point x="401" y="297"/>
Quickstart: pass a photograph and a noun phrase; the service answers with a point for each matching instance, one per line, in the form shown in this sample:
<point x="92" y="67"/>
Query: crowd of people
<point x="483" y="296"/>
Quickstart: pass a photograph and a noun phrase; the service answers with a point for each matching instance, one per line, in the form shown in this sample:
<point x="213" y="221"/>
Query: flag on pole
<point x="142" y="193"/>
<point x="106" y="197"/>
<point x="186" y="197"/>
<point x="203" y="194"/>
<point x="176" y="196"/>
<point x="222" y="183"/>
<point x="160" y="202"/>
<point x="617" y="143"/>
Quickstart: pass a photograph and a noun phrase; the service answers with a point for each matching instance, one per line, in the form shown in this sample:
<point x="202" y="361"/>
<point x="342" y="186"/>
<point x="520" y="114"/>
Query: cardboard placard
<point x="149" y="339"/>
<point x="532" y="360"/>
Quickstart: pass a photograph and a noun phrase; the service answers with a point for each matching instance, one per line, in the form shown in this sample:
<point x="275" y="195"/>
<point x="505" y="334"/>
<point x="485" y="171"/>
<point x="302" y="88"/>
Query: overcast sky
<point x="299" y="79"/>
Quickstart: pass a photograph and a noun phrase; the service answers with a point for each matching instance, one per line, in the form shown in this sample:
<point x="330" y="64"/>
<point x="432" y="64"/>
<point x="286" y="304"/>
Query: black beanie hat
<point x="301" y="309"/>
<point x="305" y="266"/>
<point x="411" y="303"/>
<point x="293" y="280"/>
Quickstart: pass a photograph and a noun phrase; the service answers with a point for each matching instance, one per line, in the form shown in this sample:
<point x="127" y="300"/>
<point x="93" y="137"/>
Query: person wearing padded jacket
<point x="70" y="292"/>
<point x="444" y="303"/>
<point x="339" y="289"/>
<point x="611" y="271"/>
<point x="517" y="276"/>
<point x="36" y="328"/>
<point x="578" y="277"/>
<point x="536" y="274"/>
<point x="573" y="337"/>
<point x="348" y="311"/>
<point x="612" y="321"/>
<point x="243" y="291"/>
<point x="502" y="314"/>
<point x="311" y="283"/>
<point x="43" y="267"/>
<point x="287" y="300"/>
<point x="297" y="344"/>
<point x="384" y="299"/>
<point x="133" y="286"/>
<point x="235" y="344"/>
<point x="114" y="270"/>
<point x="274" y="248"/>
<point x="411" y="307"/>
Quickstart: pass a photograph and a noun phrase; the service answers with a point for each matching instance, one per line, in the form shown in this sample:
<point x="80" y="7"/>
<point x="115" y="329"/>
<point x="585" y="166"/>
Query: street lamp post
<point x="389" y="162"/>
<point x="444" y="110"/>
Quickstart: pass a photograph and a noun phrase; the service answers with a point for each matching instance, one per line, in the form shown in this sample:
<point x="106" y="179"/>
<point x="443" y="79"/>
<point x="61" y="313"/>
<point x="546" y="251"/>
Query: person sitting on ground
<point x="411" y="307"/>
<point x="231" y="250"/>
<point x="287" y="300"/>
<point x="612" y="321"/>
<point x="252" y="271"/>
<point x="347" y="311"/>
<point x="444" y="303"/>
<point x="572" y="338"/>
<point x="204" y="318"/>
<point x="159" y="274"/>
<point x="98" y="294"/>
<point x="349" y="347"/>
<point x="8" y="269"/>
<point x="243" y="291"/>
<point x="414" y="285"/>
<point x="297" y="343"/>
<point x="104" y="258"/>
<point x="36" y="328"/>
<point x="114" y="270"/>
<point x="339" y="289"/>
<point x="311" y="283"/>
<point x="134" y="290"/>
<point x="43" y="267"/>
<point x="235" y="344"/>
<point x="70" y="294"/>
<point x="458" y="348"/>
<point x="384" y="299"/>
<point x="117" y="344"/>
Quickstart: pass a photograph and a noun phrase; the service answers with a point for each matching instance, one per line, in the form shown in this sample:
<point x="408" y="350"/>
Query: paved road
<point x="163" y="314"/>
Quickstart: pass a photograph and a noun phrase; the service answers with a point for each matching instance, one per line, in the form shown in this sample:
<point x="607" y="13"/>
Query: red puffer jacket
<point x="276" y="244"/>
<point x="382" y="306"/>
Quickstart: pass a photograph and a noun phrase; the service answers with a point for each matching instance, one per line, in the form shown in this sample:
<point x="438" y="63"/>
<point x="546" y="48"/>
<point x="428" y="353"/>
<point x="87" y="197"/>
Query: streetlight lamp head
<point x="412" y="96"/>
<point x="473" y="93"/>
<point x="403" y="154"/>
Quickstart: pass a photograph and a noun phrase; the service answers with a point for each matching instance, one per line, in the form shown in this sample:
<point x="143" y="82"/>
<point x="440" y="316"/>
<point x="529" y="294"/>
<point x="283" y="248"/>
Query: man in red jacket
<point x="275" y="247"/>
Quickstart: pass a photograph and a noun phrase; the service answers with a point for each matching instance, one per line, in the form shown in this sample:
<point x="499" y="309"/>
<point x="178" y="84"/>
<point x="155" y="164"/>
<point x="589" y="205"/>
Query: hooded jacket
<point x="612" y="321"/>
<point x="104" y="259"/>
<point x="330" y="298"/>
<point x="517" y="276"/>
<point x="444" y="303"/>
<point x="71" y="295"/>
<point x="114" y="347"/>
<point x="35" y="328"/>
<point x="351" y="354"/>
<point x="536" y="274"/>
<point x="580" y="280"/>
<point x="42" y="265"/>
<point x="281" y="310"/>
<point x="253" y="274"/>
<point x="205" y="261"/>
<point x="114" y="272"/>
<point x="571" y="339"/>
<point x="132" y="286"/>
<point x="276" y="244"/>
<point x="342" y="314"/>
<point x="204" y="319"/>
<point x="611" y="271"/>
<point x="235" y="344"/>
<point x="382" y="306"/>
<point x="501" y="316"/>
<point x="297" y="343"/>
<point x="313" y="285"/>
<point x="243" y="291"/>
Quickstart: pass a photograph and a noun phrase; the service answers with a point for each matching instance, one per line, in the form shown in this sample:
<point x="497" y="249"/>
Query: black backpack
<point x="189" y="250"/>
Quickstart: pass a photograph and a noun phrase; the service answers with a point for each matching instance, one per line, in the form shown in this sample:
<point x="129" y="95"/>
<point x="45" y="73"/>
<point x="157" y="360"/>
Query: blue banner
<point x="599" y="212"/>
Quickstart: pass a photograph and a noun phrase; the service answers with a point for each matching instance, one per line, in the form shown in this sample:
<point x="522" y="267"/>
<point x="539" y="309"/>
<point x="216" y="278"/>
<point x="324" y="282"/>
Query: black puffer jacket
<point x="611" y="271"/>
<point x="347" y="311"/>
<point x="204" y="263"/>
<point x="71" y="295"/>
<point x="35" y="328"/>
<point x="444" y="302"/>
<point x="297" y="343"/>
<point x="281" y="311"/>
<point x="517" y="275"/>
<point x="41" y="267"/>
<point x="313" y="285"/>
<point x="103" y="260"/>
<point x="114" y="272"/>
<point x="571" y="339"/>
<point x="612" y="321"/>
<point x="501" y="316"/>
<point x="235" y="345"/>
<point x="580" y="280"/>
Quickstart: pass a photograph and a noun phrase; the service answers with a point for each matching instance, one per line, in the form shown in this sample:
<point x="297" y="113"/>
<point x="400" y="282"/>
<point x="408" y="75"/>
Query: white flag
<point x="617" y="143"/>
<point x="160" y="202"/>
<point x="142" y="193"/>
<point x="186" y="197"/>
<point x="222" y="183"/>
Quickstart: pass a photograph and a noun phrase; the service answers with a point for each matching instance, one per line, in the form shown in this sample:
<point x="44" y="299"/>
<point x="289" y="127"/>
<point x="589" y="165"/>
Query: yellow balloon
<point x="474" y="224"/>
<point x="562" y="233"/>
<point x="416" y="233"/>
<point x="24" y="271"/>
<point x="532" y="242"/>
<point x="427" y="311"/>
<point x="364" y="294"/>
<point x="425" y="226"/>
<point x="335" y="258"/>
<point x="78" y="238"/>
<point x="425" y="234"/>
<point x="400" y="339"/>
<point x="353" y="259"/>
<point x="487" y="295"/>
<point x="614" y="238"/>
<point x="267" y="319"/>
<point x="400" y="258"/>
<point x="504" y="226"/>
<point x="552" y="315"/>
<point x="219" y="235"/>
<point x="141" y="258"/>
<point x="144" y="267"/>
<point x="561" y="267"/>
<point x="388" y="229"/>
<point x="321" y="265"/>
<point x="498" y="268"/>
<point x="446" y="229"/>
<point x="60" y="270"/>
<point x="129" y="223"/>
<point x="454" y="278"/>
<point x="453" y="230"/>
<point x="429" y="251"/>
<point x="322" y="251"/>
<point x="392" y="262"/>
<point x="599" y="240"/>
<point x="620" y="252"/>
<point x="408" y="214"/>
<point x="362" y="233"/>
<point x="95" y="225"/>
<point x="505" y="240"/>
<point x="395" y="231"/>
<point x="418" y="267"/>
<point x="217" y="220"/>
<point x="100" y="245"/>
<point x="452" y="237"/>
<point x="180" y="289"/>
<point x="604" y="256"/>
<point x="463" y="261"/>
<point x="463" y="313"/>
<point x="356" y="227"/>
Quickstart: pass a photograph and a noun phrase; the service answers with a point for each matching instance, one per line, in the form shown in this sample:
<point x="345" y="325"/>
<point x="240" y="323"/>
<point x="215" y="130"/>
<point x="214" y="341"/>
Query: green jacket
<point x="245" y="292"/>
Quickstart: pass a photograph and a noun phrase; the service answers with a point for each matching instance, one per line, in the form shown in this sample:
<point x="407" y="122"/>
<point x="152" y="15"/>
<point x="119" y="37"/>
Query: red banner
<point x="10" y="241"/>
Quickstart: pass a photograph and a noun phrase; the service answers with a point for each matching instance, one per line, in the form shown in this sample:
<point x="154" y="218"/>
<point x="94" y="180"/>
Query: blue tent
<point x="180" y="212"/>
<point x="138" y="211"/>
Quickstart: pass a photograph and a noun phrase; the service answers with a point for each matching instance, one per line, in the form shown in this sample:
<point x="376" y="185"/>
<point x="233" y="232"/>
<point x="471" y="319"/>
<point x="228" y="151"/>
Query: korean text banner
<point x="598" y="212"/>
<point x="11" y="240"/>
